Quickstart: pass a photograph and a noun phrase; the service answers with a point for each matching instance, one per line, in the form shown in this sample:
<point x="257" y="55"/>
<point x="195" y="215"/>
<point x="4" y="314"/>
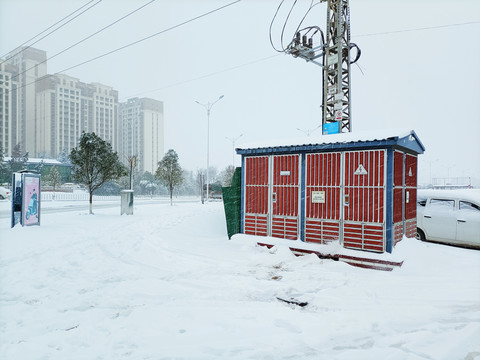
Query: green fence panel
<point x="232" y="203"/>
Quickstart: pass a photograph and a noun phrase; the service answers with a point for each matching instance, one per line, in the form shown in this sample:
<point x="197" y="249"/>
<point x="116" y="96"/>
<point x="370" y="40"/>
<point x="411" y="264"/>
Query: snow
<point x="38" y="160"/>
<point x="356" y="136"/>
<point x="461" y="194"/>
<point x="166" y="283"/>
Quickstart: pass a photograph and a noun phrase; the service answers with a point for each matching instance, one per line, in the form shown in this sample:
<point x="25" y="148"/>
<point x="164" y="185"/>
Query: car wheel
<point x="1" y="197"/>
<point x="420" y="235"/>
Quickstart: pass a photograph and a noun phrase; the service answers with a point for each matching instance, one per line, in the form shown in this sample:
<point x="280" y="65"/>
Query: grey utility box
<point x="127" y="202"/>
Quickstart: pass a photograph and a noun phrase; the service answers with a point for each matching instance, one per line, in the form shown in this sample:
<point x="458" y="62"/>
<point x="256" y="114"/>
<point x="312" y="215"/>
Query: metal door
<point x="323" y="197"/>
<point x="256" y="200"/>
<point x="285" y="196"/>
<point x="398" y="195"/>
<point x="364" y="200"/>
<point x="404" y="195"/>
<point x="410" y="195"/>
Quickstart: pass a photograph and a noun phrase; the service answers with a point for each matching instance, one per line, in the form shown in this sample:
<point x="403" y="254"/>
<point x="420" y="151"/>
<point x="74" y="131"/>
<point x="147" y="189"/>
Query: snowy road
<point x="73" y="205"/>
<point x="166" y="283"/>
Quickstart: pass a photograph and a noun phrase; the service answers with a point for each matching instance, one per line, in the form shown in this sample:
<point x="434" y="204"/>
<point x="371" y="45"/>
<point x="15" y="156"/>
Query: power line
<point x="205" y="76"/>
<point x="99" y="1"/>
<point x="135" y="42"/>
<point x="150" y="36"/>
<point x="418" y="29"/>
<point x="85" y="39"/>
<point x="280" y="51"/>
<point x="234" y="67"/>
<point x="283" y="49"/>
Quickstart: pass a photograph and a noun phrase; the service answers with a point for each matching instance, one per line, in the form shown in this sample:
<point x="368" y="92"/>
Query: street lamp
<point x="233" y="139"/>
<point x="308" y="131"/>
<point x="208" y="106"/>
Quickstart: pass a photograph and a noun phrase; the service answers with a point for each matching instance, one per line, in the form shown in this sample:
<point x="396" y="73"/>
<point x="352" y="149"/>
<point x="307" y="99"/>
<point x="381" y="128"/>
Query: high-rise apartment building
<point x="142" y="129"/>
<point x="46" y="114"/>
<point x="8" y="107"/>
<point x="65" y="107"/>
<point x="30" y="64"/>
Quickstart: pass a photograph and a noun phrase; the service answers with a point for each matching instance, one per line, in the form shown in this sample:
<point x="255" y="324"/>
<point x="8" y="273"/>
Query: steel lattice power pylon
<point x="335" y="52"/>
<point x="336" y="67"/>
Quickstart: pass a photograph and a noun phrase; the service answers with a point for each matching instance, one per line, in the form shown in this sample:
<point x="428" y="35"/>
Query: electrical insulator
<point x="304" y="40"/>
<point x="310" y="43"/>
<point x="297" y="38"/>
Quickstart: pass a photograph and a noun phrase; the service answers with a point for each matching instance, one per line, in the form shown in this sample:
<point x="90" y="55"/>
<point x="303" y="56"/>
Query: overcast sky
<point x="419" y="69"/>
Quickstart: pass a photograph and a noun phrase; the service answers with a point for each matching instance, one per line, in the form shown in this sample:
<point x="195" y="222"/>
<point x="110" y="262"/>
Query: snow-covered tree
<point x="19" y="159"/>
<point x="4" y="176"/>
<point x="54" y="178"/>
<point x="63" y="157"/>
<point x="147" y="183"/>
<point x="169" y="172"/>
<point x="226" y="175"/>
<point x="94" y="163"/>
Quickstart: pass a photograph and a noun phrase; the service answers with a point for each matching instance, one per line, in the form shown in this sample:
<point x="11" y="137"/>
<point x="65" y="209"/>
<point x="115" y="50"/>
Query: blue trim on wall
<point x="302" y="199"/>
<point x="12" y="220"/>
<point x="412" y="142"/>
<point x="242" y="195"/>
<point x="389" y="202"/>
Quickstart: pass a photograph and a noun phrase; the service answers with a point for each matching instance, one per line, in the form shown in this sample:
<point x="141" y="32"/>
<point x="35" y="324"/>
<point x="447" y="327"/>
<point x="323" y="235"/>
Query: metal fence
<point x="75" y="196"/>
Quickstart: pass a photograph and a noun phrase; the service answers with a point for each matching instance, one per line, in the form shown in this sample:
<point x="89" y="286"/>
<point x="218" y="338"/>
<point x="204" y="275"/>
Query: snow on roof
<point x="37" y="161"/>
<point x="343" y="138"/>
<point x="461" y="194"/>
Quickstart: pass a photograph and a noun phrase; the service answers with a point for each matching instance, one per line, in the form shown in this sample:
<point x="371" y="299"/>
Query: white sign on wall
<point x="332" y="89"/>
<point x="318" y="197"/>
<point x="338" y="114"/>
<point x="332" y="59"/>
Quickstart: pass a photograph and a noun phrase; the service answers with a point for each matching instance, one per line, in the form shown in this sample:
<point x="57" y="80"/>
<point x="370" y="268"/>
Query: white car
<point x="449" y="216"/>
<point x="4" y="193"/>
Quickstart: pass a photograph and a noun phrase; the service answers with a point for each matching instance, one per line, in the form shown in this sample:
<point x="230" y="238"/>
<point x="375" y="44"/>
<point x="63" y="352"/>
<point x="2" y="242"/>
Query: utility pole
<point x="335" y="52"/>
<point x="133" y="162"/>
<point x="233" y="139"/>
<point x="208" y="106"/>
<point x="336" y="70"/>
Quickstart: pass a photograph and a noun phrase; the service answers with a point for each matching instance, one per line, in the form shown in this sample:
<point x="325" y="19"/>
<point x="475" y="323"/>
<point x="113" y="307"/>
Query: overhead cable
<point x="85" y="39"/>
<point x="352" y="45"/>
<point x="135" y="42"/>
<point x="283" y="48"/>
<point x="418" y="29"/>
<point x="204" y="76"/>
<point x="150" y="36"/>
<point x="51" y="32"/>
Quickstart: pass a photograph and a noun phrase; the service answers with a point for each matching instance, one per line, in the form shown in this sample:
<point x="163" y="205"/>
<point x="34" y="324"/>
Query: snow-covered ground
<point x="166" y="283"/>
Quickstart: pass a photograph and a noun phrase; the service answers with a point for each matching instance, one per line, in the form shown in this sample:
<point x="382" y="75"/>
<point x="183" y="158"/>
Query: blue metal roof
<point x="407" y="140"/>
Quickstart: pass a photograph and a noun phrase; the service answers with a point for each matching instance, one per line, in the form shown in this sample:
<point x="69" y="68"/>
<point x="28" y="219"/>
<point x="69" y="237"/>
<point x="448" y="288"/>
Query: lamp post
<point x="132" y="160"/>
<point x="233" y="139"/>
<point x="208" y="106"/>
<point x="308" y="131"/>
